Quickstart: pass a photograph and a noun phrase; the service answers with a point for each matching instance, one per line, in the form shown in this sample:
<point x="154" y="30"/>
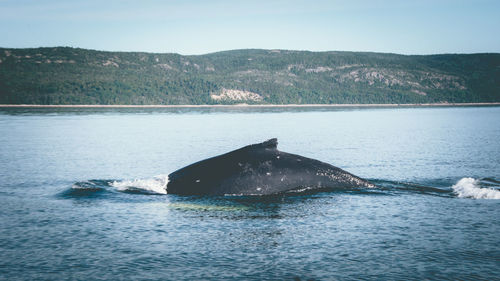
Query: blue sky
<point x="198" y="27"/>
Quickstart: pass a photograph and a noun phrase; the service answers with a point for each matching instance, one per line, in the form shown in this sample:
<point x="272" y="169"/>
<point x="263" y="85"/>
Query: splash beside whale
<point x="259" y="169"/>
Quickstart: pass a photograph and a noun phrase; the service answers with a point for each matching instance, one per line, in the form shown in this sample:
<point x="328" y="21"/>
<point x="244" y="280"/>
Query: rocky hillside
<point x="77" y="76"/>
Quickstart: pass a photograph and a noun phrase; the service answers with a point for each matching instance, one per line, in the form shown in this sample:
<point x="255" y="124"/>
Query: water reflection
<point x="174" y="110"/>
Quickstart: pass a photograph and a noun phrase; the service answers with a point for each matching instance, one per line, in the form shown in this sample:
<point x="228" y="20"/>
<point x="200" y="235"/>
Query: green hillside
<point x="64" y="75"/>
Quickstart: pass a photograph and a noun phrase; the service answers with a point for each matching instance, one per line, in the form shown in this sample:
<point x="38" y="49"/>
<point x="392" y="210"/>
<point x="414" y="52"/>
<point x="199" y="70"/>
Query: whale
<point x="259" y="169"/>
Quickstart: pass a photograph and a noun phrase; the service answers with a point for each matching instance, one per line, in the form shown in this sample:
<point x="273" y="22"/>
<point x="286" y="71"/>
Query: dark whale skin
<point x="259" y="169"/>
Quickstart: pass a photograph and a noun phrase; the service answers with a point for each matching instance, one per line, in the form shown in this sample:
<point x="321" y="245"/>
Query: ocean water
<point x="82" y="195"/>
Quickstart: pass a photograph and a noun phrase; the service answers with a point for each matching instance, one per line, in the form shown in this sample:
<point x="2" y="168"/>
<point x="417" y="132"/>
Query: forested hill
<point x="65" y="75"/>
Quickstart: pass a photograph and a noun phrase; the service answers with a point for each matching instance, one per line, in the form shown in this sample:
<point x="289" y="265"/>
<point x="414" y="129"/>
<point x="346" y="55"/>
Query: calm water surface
<point x="81" y="196"/>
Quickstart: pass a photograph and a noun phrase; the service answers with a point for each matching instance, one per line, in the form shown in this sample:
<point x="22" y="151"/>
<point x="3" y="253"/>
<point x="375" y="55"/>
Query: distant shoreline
<point x="245" y="105"/>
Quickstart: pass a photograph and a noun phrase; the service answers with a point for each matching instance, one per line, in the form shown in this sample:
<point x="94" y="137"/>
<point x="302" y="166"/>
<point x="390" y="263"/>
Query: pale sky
<point x="199" y="27"/>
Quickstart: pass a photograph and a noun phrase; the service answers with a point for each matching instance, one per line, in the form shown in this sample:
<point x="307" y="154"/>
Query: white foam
<point x="158" y="184"/>
<point x="469" y="188"/>
<point x="299" y="190"/>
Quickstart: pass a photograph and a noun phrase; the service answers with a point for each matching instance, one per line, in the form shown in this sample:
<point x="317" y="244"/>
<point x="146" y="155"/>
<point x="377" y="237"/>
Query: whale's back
<point x="258" y="169"/>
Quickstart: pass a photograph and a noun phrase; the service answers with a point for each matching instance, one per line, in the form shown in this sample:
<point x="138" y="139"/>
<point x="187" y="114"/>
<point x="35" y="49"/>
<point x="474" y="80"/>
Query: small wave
<point x="156" y="185"/>
<point x="470" y="188"/>
<point x="431" y="187"/>
<point x="88" y="188"/>
<point x="90" y="185"/>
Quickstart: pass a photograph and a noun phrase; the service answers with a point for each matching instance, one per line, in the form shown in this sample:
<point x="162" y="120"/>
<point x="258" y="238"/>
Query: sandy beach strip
<point x="244" y="105"/>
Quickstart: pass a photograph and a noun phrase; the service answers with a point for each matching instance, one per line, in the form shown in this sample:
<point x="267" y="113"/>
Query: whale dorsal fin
<point x="271" y="143"/>
<point x="268" y="144"/>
